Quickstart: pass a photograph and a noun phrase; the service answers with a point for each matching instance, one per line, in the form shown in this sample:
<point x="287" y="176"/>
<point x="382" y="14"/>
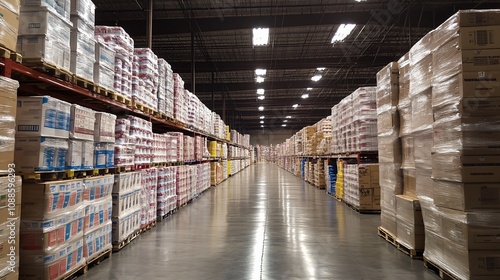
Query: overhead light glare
<point x="261" y="108"/>
<point x="285" y="120"/>
<point x="316" y="78"/>
<point x="261" y="126"/>
<point x="283" y="125"/>
<point x="262" y="97"/>
<point x="262" y="117"/>
<point x="288" y="117"/>
<point x="342" y="32"/>
<point x="260" y="91"/>
<point x="260" y="72"/>
<point x="259" y="79"/>
<point x="304" y="96"/>
<point x="261" y="121"/>
<point x="321" y="69"/>
<point x="309" y="88"/>
<point x="295" y="106"/>
<point x="260" y="36"/>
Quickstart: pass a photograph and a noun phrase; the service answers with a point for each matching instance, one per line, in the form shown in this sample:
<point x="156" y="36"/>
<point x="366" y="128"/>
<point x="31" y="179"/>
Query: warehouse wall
<point x="269" y="138"/>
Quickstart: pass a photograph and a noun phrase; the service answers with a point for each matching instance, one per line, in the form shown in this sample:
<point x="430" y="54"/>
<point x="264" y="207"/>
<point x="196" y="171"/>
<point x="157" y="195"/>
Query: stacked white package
<point x="192" y="109"/>
<point x="104" y="67"/>
<point x="117" y="39"/>
<point x="171" y="147"/>
<point x="82" y="39"/>
<point x="365" y="119"/>
<point x="169" y="87"/>
<point x="44" y="35"/>
<point x="179" y="146"/>
<point x="148" y="73"/>
<point x="200" y="148"/>
<point x="126" y="204"/>
<point x="97" y="219"/>
<point x="160" y="149"/>
<point x="166" y="191"/>
<point x="161" y="92"/>
<point x="181" y="183"/>
<point x="149" y="196"/>
<point x="179" y="93"/>
<point x="60" y="7"/>
<point x="104" y="128"/>
<point x="124" y="145"/>
<point x="188" y="149"/>
<point x="141" y="134"/>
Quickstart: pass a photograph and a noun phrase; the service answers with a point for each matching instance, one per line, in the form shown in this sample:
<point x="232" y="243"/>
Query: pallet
<point x="387" y="236"/>
<point x="148" y="227"/>
<point x="160" y="115"/>
<point x="413" y="253"/>
<point x="88" y="264"/>
<point x="160" y="218"/>
<point x="119" y="98"/>
<point x="12" y="55"/>
<point x="443" y="273"/>
<point x="143" y="108"/>
<point x="103" y="91"/>
<point x="84" y="83"/>
<point x="117" y="246"/>
<point x="66" y="174"/>
<point x="362" y="211"/>
<point x="49" y="68"/>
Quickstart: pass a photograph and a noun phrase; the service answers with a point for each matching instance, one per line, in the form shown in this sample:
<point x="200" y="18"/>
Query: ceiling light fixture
<point x="316" y="78"/>
<point x="283" y="125"/>
<point x="261" y="108"/>
<point x="260" y="91"/>
<point x="285" y="121"/>
<point x="288" y="117"/>
<point x="261" y="126"/>
<point x="342" y="32"/>
<point x="259" y="79"/>
<point x="261" y="121"/>
<point x="321" y="69"/>
<point x="295" y="106"/>
<point x="304" y="96"/>
<point x="309" y="88"/>
<point x="260" y="72"/>
<point x="262" y="117"/>
<point x="260" y="36"/>
<point x="262" y="97"/>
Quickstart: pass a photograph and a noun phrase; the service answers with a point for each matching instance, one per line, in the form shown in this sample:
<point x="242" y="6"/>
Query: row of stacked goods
<point x="331" y="177"/>
<point x="319" y="175"/>
<point x="10" y="184"/>
<point x="354" y="123"/>
<point x="63" y="225"/>
<point x="325" y="142"/>
<point x="446" y="201"/>
<point x="218" y="149"/>
<point x="239" y="139"/>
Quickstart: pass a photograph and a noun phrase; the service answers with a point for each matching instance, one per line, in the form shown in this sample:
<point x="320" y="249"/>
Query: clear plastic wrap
<point x="422" y="117"/>
<point x="125" y="225"/>
<point x="388" y="122"/>
<point x="408" y="152"/>
<point x="424" y="182"/>
<point x="405" y="119"/>
<point x="404" y="80"/>
<point x="40" y="154"/>
<point x="8" y="98"/>
<point x="409" y="182"/>
<point x="423" y="144"/>
<point x="104" y="130"/>
<point x="391" y="177"/>
<point x="97" y="241"/>
<point x="82" y="123"/>
<point x="85" y="9"/>
<point x="387" y="92"/>
<point x="75" y="155"/>
<point x="388" y="221"/>
<point x="467" y="196"/>
<point x="9" y="23"/>
<point x="60" y="7"/>
<point x="456" y="167"/>
<point x="421" y="65"/>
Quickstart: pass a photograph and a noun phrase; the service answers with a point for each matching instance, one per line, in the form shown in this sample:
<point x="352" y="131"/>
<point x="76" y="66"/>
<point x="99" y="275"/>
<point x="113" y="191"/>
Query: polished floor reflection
<point x="262" y="223"/>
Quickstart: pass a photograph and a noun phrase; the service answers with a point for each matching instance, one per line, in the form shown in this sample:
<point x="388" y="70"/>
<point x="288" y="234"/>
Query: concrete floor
<point x="262" y="223"/>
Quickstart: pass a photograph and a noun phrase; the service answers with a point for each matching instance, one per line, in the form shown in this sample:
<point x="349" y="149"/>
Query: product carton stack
<point x="104" y="139"/>
<point x="319" y="175"/>
<point x="124" y="143"/>
<point x="9" y="23"/>
<point x="160" y="150"/>
<point x="82" y="39"/>
<point x="8" y="99"/>
<point x="119" y="41"/>
<point x="97" y="222"/>
<point x="462" y="217"/>
<point x="169" y="94"/>
<point x="44" y="32"/>
<point x="126" y="205"/>
<point x="104" y="67"/>
<point x="141" y="134"/>
<point x="389" y="144"/>
<point x="52" y="229"/>
<point x="182" y="187"/>
<point x="361" y="187"/>
<point x="364" y="118"/>
<point x="308" y="141"/>
<point x="179" y="93"/>
<point x="145" y="78"/>
<point x="149" y="196"/>
<point x="339" y="184"/>
<point x="167" y="197"/>
<point x="161" y="91"/>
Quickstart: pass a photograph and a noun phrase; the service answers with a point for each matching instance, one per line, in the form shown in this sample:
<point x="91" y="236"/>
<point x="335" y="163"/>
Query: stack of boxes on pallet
<point x="126" y="205"/>
<point x="360" y="187"/>
<point x="83" y="44"/>
<point x="448" y="93"/>
<point x="9" y="23"/>
<point x="10" y="185"/>
<point x="167" y="197"/>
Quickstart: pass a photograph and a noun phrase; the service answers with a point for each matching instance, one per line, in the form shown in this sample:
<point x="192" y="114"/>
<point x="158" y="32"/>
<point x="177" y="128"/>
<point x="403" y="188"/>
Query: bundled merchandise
<point x="179" y="105"/>
<point x="188" y="149"/>
<point x="177" y="146"/>
<point x="169" y="91"/>
<point x="172" y="147"/>
<point x="9" y="23"/>
<point x="104" y="67"/>
<point x="331" y="178"/>
<point x="361" y="186"/>
<point x="160" y="149"/>
<point x="45" y="32"/>
<point x="124" y="143"/>
<point x="122" y="44"/>
<point x="8" y="106"/>
<point x="219" y="126"/>
<point x="460" y="217"/>
<point x="203" y="177"/>
<point x="126" y="213"/>
<point x="200" y="148"/>
<point x="145" y="77"/>
<point x="319" y="175"/>
<point x="10" y="210"/>
<point x="161" y="90"/>
<point x="365" y="119"/>
<point x="166" y="190"/>
<point x="181" y="182"/>
<point x="193" y="110"/>
<point x="149" y="199"/>
<point x="82" y="39"/>
<point x="339" y="185"/>
<point x="141" y="134"/>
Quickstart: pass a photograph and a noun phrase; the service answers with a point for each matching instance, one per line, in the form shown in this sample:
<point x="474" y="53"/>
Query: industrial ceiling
<point x="300" y="42"/>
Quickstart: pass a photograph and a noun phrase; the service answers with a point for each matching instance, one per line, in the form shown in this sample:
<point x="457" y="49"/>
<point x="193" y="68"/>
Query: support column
<point x="193" y="65"/>
<point x="149" y="36"/>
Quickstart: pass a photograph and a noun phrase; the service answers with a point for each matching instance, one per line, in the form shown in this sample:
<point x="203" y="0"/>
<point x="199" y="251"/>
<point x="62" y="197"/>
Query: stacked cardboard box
<point x="9" y="23"/>
<point x="104" y="67"/>
<point x="319" y="174"/>
<point x="167" y="197"/>
<point x="10" y="215"/>
<point x="361" y="187"/>
<point x="82" y="39"/>
<point x="364" y="124"/>
<point x="44" y="32"/>
<point x="126" y="205"/>
<point x="148" y="196"/>
<point x="460" y="217"/>
<point x="145" y="77"/>
<point x="8" y="99"/>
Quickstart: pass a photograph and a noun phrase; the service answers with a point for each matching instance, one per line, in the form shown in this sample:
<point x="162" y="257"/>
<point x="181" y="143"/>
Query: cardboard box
<point x="412" y="236"/>
<point x="42" y="116"/>
<point x="405" y="119"/>
<point x="104" y="56"/>
<point x="9" y="23"/>
<point x="43" y="21"/>
<point x="471" y="264"/>
<point x="47" y="48"/>
<point x="49" y="199"/>
<point x="10" y="191"/>
<point x="389" y="149"/>
<point x="125" y="203"/>
<point x="125" y="182"/>
<point x="61" y="7"/>
<point x="408" y="152"/>
<point x="104" y="130"/>
<point x="40" y="154"/>
<point x="409" y="211"/>
<point x="389" y="222"/>
<point x="466" y="169"/>
<point x="388" y="123"/>
<point x="467" y="197"/>
<point x="409" y="182"/>
<point x="8" y="98"/>
<point x="126" y="225"/>
<point x="74" y="156"/>
<point x="473" y="231"/>
<point x="45" y="239"/>
<point x="82" y="123"/>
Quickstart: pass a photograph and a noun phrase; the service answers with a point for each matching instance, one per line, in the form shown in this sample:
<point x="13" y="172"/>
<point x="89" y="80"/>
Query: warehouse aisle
<point x="263" y="223"/>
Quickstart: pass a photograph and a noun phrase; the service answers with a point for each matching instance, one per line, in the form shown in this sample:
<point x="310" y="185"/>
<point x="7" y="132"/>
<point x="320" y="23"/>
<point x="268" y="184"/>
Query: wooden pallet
<point x="119" y="98"/>
<point x="88" y="264"/>
<point x="117" y="246"/>
<point x="12" y="55"/>
<point x="148" y="227"/>
<point x="65" y="174"/>
<point x="443" y="273"/>
<point x="49" y="68"/>
<point x="84" y="83"/>
<point x="160" y="218"/>
<point x="143" y="108"/>
<point x="160" y="115"/>
<point x="362" y="211"/>
<point x="413" y="253"/>
<point x="387" y="236"/>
